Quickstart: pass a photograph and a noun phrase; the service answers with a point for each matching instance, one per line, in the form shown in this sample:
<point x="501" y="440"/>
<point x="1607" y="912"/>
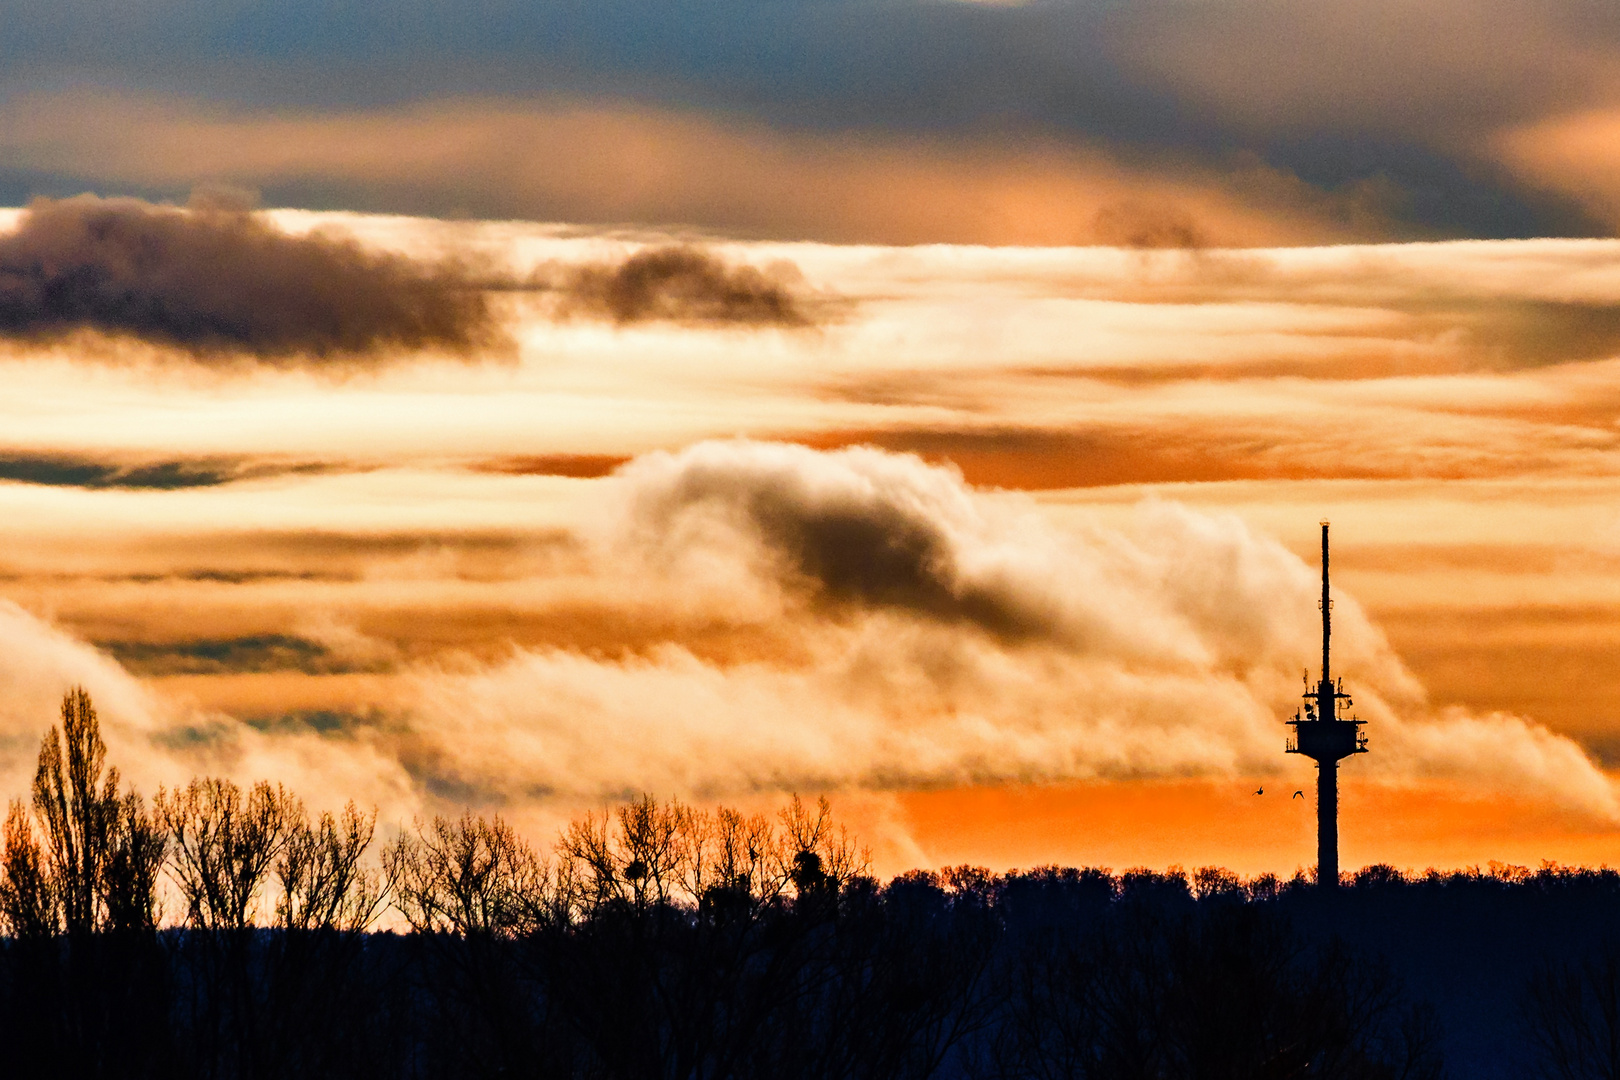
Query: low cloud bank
<point x="943" y="637"/>
<point x="38" y="662"/>
<point x="218" y="281"/>
<point x="156" y="741"/>
<point x="920" y="634"/>
<point x="1444" y="307"/>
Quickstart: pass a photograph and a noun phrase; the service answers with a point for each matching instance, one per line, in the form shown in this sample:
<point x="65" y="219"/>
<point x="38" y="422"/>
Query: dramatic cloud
<point x="1169" y="648"/>
<point x="871" y="535"/>
<point x="1430" y="71"/>
<point x="968" y="641"/>
<point x="220" y="281"/>
<point x="258" y="652"/>
<point x="37" y="664"/>
<point x="78" y="472"/>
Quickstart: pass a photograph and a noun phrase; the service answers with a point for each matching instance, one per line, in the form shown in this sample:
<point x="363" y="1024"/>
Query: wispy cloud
<point x="927" y="635"/>
<point x="617" y="162"/>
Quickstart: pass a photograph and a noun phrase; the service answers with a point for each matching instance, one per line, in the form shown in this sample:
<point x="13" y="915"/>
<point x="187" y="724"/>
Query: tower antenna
<point x="1323" y="733"/>
<point x="1327" y="610"/>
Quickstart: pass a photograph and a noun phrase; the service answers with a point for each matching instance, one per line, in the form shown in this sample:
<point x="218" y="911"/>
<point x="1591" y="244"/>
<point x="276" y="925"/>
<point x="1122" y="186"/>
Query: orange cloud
<point x="1576" y="154"/>
<point x="1439" y="71"/>
<point x="603" y="162"/>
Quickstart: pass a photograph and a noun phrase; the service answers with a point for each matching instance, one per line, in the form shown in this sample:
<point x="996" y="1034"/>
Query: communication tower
<point x="1323" y="732"/>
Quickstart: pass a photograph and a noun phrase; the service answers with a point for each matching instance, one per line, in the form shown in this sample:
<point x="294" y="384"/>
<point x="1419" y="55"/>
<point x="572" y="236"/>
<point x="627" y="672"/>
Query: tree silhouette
<point x="325" y="885"/>
<point x="101" y="851"/>
<point x="225" y="845"/>
<point x="27" y="889"/>
<point x="1572" y="1016"/>
<point x="660" y="940"/>
<point x="93" y="1001"/>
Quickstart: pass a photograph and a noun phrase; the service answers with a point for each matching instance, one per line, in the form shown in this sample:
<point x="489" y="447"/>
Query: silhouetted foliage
<point x="225" y="845"/>
<point x="27" y="890"/>
<point x="1572" y="1016"/>
<point x="661" y="940"/>
<point x="85" y="980"/>
<point x="101" y="853"/>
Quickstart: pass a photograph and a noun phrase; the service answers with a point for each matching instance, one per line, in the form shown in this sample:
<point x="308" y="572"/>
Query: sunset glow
<point x="929" y="404"/>
<point x="1010" y="550"/>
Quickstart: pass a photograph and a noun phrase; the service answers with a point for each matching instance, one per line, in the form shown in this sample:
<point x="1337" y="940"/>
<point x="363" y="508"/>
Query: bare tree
<point x="468" y="877"/>
<point x="738" y="861"/>
<point x="87" y="864"/>
<point x="27" y="894"/>
<point x="225" y="844"/>
<point x="139" y="847"/>
<point x="470" y="889"/>
<point x="823" y="858"/>
<point x="78" y="810"/>
<point x="1572" y="1013"/>
<point x="644" y="854"/>
<point x="94" y="862"/>
<point x="648" y="854"/>
<point x="324" y="883"/>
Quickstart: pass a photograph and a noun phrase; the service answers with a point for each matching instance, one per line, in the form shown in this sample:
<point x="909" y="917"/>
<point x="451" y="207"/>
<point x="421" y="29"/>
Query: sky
<point x="524" y="406"/>
<point x="901" y="121"/>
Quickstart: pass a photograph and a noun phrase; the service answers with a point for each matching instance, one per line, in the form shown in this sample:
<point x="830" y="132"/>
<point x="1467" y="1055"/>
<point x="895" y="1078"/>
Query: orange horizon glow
<point x="1161" y="824"/>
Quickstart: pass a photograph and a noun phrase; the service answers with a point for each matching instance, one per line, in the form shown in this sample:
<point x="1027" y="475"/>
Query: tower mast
<point x="1327" y="609"/>
<point x="1321" y="733"/>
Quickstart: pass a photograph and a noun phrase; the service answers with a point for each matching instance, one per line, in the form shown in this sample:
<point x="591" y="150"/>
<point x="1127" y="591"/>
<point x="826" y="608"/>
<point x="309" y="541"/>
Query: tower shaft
<point x="1327" y="823"/>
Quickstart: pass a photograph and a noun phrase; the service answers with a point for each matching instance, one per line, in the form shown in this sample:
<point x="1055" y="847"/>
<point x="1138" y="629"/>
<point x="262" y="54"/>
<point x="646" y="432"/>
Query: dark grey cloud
<point x="329" y="722"/>
<point x="78" y="472"/>
<point x="1383" y="91"/>
<point x="1532" y="333"/>
<point x="682" y="283"/>
<point x="216" y="656"/>
<point x="217" y="280"/>
<point x="1438" y="189"/>
<point x="66" y="470"/>
<point x="833" y="62"/>
<point x="848" y="538"/>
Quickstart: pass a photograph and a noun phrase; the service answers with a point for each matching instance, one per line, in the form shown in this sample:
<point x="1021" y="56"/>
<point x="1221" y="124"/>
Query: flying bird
<point x="1262" y="791"/>
<point x="1299" y="794"/>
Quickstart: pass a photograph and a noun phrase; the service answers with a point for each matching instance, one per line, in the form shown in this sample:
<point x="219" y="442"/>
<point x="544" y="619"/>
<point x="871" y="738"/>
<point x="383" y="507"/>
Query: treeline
<point x="662" y="941"/>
